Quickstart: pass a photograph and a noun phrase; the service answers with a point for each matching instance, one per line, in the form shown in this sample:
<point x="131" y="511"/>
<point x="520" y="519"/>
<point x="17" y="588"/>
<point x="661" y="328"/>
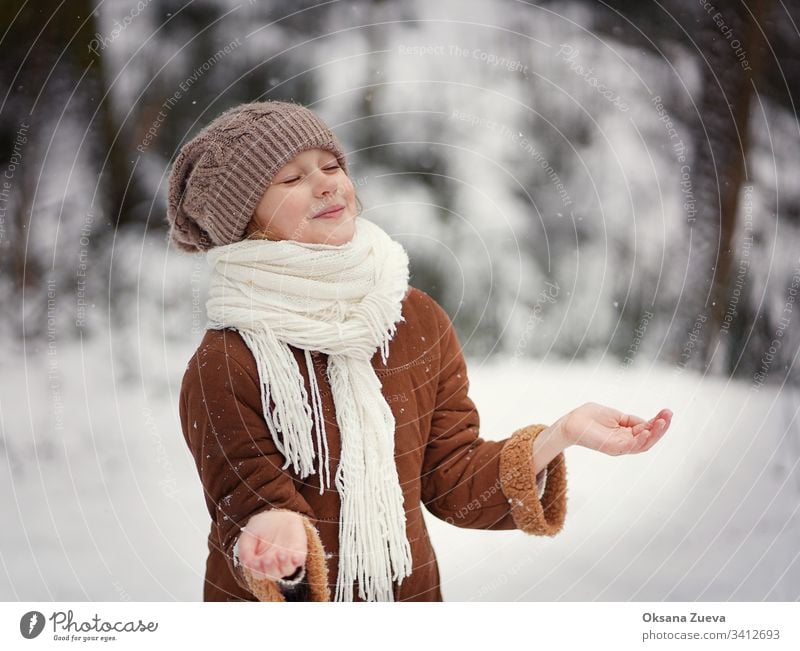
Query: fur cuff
<point x="316" y="570"/>
<point x="532" y="515"/>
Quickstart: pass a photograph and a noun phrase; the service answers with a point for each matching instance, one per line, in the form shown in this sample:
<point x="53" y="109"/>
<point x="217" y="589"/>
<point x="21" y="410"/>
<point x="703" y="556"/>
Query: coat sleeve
<point x="239" y="466"/>
<point x="475" y="483"/>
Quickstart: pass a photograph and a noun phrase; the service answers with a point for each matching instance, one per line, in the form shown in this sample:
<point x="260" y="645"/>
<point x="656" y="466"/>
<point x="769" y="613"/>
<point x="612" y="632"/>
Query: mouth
<point x="331" y="211"/>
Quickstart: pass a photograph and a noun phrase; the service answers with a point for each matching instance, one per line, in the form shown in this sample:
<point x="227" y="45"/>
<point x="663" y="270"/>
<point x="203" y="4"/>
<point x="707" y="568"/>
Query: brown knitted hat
<point x="221" y="174"/>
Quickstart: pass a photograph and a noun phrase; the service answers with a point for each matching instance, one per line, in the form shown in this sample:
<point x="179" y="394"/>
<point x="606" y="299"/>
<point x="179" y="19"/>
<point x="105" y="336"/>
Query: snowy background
<point x="106" y="504"/>
<point x="546" y="218"/>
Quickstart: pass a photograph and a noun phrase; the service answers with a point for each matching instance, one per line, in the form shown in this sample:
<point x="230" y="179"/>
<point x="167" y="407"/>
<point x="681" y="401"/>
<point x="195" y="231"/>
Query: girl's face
<point x="311" y="199"/>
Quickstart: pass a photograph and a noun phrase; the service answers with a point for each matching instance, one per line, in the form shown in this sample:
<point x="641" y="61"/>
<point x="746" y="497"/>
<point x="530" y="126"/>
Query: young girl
<point x="328" y="400"/>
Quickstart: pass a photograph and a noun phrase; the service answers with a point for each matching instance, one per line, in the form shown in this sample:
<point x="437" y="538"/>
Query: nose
<point x="324" y="184"/>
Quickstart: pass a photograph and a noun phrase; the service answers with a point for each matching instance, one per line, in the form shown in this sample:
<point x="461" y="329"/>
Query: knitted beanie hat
<point x="220" y="175"/>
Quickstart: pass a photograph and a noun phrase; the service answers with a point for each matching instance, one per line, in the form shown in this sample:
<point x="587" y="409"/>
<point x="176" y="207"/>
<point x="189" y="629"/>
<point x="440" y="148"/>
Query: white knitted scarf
<point x="344" y="301"/>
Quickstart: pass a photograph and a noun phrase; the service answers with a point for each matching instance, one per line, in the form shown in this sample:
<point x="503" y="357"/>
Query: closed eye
<point x="328" y="168"/>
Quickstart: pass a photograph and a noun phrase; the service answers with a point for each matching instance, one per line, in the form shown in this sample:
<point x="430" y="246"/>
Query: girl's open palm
<point x="612" y="432"/>
<point x="273" y="544"/>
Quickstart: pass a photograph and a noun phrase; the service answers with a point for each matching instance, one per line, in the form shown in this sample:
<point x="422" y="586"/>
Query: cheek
<point x="280" y="207"/>
<point x="349" y="190"/>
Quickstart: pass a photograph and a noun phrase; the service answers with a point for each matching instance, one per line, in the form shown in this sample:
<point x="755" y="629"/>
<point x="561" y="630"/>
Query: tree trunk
<point x="718" y="171"/>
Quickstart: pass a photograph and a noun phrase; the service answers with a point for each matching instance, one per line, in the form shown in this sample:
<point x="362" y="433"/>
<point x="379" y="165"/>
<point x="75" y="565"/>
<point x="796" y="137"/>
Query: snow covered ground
<point x="101" y="501"/>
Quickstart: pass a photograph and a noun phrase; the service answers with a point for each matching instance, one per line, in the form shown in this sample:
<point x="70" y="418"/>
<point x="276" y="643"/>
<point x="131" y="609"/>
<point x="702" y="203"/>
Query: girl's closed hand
<point x="273" y="544"/>
<point x="610" y="431"/>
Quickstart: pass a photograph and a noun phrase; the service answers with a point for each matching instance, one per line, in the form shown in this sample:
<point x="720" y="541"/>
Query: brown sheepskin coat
<point x="442" y="462"/>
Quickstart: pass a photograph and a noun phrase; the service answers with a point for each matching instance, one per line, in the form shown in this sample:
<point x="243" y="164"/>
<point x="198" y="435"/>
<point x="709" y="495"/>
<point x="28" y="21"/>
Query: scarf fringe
<point x="346" y="302"/>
